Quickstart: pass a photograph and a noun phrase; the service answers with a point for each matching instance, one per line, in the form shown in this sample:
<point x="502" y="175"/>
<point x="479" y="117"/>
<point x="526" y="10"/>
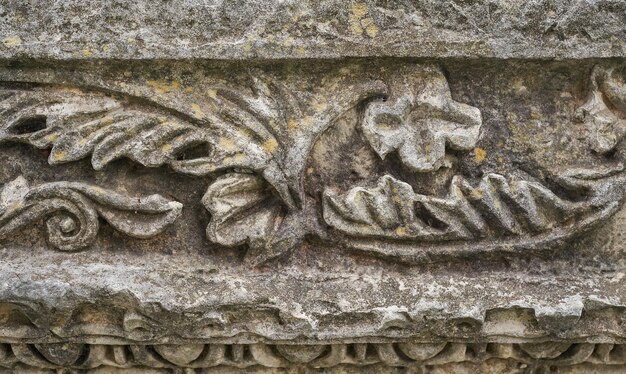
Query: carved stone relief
<point x="514" y="358"/>
<point x="256" y="145"/>
<point x="353" y="214"/>
<point x="72" y="210"/>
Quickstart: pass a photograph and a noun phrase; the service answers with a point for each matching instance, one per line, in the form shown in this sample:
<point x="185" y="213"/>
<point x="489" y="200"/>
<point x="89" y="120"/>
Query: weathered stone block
<point x="342" y="186"/>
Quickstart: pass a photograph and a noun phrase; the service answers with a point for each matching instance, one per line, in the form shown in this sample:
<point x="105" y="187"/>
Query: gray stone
<point x="167" y="202"/>
<point x="274" y="29"/>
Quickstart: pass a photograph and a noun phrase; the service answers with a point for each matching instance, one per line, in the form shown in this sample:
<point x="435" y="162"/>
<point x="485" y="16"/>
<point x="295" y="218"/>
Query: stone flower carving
<point x="262" y="128"/>
<point x="420" y="123"/>
<point x="71" y="212"/>
<point x="242" y="210"/>
<point x="604" y="112"/>
<point x="253" y="141"/>
<point x="245" y="211"/>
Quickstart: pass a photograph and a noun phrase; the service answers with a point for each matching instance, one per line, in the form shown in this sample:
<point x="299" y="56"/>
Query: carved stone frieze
<point x="323" y="196"/>
<point x="263" y="141"/>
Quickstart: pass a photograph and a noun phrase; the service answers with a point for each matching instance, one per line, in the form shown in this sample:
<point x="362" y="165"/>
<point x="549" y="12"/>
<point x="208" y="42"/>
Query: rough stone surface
<point x="170" y="203"/>
<point x="274" y="29"/>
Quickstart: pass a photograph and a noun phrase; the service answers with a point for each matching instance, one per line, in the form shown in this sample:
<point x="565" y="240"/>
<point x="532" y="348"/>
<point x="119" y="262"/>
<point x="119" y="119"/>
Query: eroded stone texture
<point x="347" y="215"/>
<point x="274" y="29"/>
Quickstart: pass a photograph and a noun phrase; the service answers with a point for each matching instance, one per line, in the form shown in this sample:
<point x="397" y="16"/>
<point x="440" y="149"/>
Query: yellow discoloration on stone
<point x="496" y="204"/>
<point x="212" y="93"/>
<point x="12" y="41"/>
<point x="359" y="24"/>
<point x="356" y="28"/>
<point x="307" y="121"/>
<point x="400" y="231"/>
<point x="58" y="156"/>
<point x="243" y="132"/>
<point x="52" y="138"/>
<point x="319" y="106"/>
<point x="235" y="159"/>
<point x="227" y="144"/>
<point x="359" y="9"/>
<point x="370" y="28"/>
<point x="197" y="112"/>
<point x="309" y="171"/>
<point x="288" y="42"/>
<point x="292" y="124"/>
<point x="476" y="194"/>
<point x="87" y="52"/>
<point x="161" y="87"/>
<point x="301" y="51"/>
<point x="396" y="198"/>
<point x="270" y="145"/>
<point x="166" y="147"/>
<point x="371" y="31"/>
<point x="99" y="190"/>
<point x="479" y="155"/>
<point x="106" y="47"/>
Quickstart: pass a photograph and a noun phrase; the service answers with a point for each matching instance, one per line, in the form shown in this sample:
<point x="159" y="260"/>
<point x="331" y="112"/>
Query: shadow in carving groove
<point x="31" y="164"/>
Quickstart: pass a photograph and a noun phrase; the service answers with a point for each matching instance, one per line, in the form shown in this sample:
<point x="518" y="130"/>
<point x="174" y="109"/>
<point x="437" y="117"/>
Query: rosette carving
<point x="604" y="111"/>
<point x="420" y="123"/>
<point x="71" y="211"/>
<point x="244" y="210"/>
<point x="496" y="213"/>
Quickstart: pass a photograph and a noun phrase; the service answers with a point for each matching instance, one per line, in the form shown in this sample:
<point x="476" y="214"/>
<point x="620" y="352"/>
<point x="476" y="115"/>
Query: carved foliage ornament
<point x="72" y="209"/>
<point x="254" y="144"/>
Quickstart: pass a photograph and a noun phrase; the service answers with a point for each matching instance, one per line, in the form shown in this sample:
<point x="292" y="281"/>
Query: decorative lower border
<point x="402" y="354"/>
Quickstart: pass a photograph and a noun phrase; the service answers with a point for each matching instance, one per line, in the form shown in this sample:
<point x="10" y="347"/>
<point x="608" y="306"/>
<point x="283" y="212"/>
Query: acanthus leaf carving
<point x="71" y="211"/>
<point x="244" y="208"/>
<point x="76" y="124"/>
<point x="497" y="208"/>
<point x="268" y="132"/>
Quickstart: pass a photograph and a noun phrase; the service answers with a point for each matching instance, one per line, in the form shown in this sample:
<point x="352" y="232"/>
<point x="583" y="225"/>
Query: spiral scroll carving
<point x="71" y="212"/>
